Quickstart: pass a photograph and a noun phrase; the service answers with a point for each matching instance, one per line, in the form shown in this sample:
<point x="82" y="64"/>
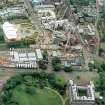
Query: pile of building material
<point x="87" y="29"/>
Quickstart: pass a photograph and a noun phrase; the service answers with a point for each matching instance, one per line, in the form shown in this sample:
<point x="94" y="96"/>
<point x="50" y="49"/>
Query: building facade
<point x="81" y="95"/>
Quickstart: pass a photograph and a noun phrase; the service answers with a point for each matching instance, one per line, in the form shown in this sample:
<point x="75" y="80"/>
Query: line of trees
<point x="57" y="65"/>
<point x="100" y="85"/>
<point x="82" y="2"/>
<point x="1" y="35"/>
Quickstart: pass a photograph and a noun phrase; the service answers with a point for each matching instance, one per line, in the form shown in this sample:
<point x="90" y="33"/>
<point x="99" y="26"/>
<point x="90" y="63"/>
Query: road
<point x="35" y="20"/>
<point x="96" y="25"/>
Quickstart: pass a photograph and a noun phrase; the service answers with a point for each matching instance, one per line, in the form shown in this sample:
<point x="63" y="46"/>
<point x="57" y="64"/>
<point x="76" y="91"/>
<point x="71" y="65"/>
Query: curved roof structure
<point x="10" y="30"/>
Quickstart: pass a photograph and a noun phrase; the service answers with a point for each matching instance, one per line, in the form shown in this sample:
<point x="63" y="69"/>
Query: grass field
<point x="3" y="46"/>
<point x="39" y="97"/>
<point x="98" y="61"/>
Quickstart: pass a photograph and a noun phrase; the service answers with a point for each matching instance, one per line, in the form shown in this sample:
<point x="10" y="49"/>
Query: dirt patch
<point x="80" y="77"/>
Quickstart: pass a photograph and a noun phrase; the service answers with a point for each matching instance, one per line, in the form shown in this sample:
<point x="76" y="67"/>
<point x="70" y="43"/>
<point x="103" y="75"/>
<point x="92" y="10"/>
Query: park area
<point x="33" y="89"/>
<point x="35" y="96"/>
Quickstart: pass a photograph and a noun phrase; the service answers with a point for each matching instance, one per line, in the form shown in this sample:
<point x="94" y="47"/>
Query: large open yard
<point x="80" y="76"/>
<point x="39" y="97"/>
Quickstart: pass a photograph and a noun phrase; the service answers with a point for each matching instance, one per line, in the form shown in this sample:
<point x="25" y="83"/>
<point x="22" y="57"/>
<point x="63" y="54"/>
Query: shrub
<point x="78" y="77"/>
<point x="57" y="67"/>
<point x="68" y="69"/>
<point x="30" y="90"/>
<point x="42" y="65"/>
<point x="56" y="60"/>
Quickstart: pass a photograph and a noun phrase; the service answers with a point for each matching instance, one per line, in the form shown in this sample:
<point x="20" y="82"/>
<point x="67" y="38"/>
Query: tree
<point x="91" y="66"/>
<point x="81" y="2"/>
<point x="1" y="35"/>
<point x="103" y="66"/>
<point x="78" y="77"/>
<point x="12" y="103"/>
<point x="14" y="81"/>
<point x="6" y="96"/>
<point x="103" y="12"/>
<point x="28" y="80"/>
<point x="56" y="60"/>
<point x="30" y="90"/>
<point x="56" y="63"/>
<point x="17" y="78"/>
<point x="68" y="69"/>
<point x="42" y="65"/>
<point x="57" y="67"/>
<point x="45" y="55"/>
<point x="101" y="50"/>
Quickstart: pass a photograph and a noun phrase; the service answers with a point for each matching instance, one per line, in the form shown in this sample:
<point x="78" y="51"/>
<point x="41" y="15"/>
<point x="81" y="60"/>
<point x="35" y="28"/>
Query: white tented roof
<point x="10" y="30"/>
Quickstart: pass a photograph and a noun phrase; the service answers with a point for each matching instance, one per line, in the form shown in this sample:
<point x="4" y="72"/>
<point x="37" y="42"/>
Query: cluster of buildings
<point x="45" y="12"/>
<point x="62" y="33"/>
<point x="67" y="41"/>
<point x="69" y="37"/>
<point x="13" y="12"/>
<point x="24" y="58"/>
<point x="86" y="13"/>
<point x="88" y="34"/>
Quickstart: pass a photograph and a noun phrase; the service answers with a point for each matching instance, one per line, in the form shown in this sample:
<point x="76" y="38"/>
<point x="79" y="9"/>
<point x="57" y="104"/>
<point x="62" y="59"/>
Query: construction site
<point x="57" y="37"/>
<point x="63" y="31"/>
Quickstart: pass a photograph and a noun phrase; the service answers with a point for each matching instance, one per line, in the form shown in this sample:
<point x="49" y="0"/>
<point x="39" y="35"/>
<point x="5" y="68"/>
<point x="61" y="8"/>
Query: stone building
<point x="81" y="94"/>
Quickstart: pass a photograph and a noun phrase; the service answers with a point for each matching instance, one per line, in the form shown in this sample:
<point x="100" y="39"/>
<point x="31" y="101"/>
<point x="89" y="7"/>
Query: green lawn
<point x="40" y="97"/>
<point x="3" y="46"/>
<point x="98" y="61"/>
<point x="67" y="102"/>
<point x="103" y="45"/>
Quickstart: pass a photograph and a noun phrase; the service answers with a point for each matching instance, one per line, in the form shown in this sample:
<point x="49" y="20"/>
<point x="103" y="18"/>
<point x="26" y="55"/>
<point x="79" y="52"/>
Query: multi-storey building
<point x="81" y="95"/>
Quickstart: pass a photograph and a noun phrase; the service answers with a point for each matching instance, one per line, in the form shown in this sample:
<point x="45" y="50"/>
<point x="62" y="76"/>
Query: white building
<point x="81" y="95"/>
<point x="45" y="12"/>
<point x="23" y="58"/>
<point x="87" y="29"/>
<point x="39" y="54"/>
<point x="64" y="24"/>
<point x="10" y="31"/>
<point x="12" y="11"/>
<point x="57" y="23"/>
<point x="44" y="7"/>
<point x="101" y="2"/>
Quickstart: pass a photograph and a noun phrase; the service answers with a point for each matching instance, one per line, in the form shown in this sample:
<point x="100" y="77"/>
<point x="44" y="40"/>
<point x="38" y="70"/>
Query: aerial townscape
<point x="52" y="52"/>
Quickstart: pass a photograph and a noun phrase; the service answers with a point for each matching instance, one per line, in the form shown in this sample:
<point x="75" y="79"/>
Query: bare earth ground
<point x="77" y="76"/>
<point x="5" y="74"/>
<point x="84" y="77"/>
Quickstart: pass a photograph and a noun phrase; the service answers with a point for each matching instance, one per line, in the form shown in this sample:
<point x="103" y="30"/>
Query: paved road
<point x="96" y="25"/>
